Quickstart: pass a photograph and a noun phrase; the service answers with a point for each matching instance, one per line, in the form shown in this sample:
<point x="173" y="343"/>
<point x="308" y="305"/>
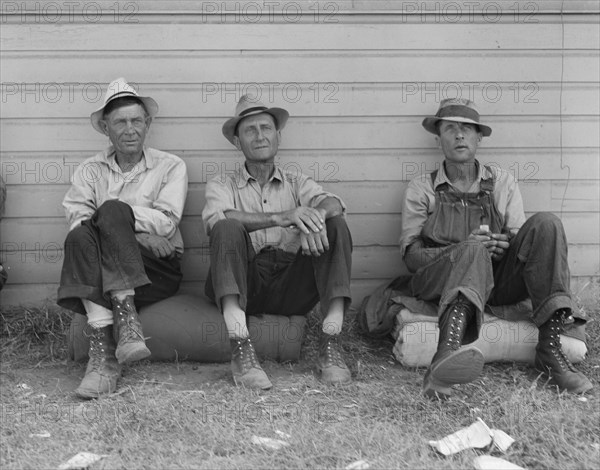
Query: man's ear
<point x="236" y="142"/>
<point x="103" y="126"/>
<point x="148" y="122"/>
<point x="278" y="136"/>
<point x="438" y="141"/>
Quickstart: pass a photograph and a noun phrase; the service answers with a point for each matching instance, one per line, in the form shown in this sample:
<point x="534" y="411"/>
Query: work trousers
<point x="274" y="281"/>
<point x="103" y="255"/>
<point x="535" y="266"/>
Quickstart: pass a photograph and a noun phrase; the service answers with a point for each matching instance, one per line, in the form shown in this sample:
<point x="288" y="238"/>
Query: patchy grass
<point x="189" y="415"/>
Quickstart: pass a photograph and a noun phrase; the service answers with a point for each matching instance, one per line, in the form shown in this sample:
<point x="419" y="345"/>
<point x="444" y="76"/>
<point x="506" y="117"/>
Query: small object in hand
<point x="485" y="228"/>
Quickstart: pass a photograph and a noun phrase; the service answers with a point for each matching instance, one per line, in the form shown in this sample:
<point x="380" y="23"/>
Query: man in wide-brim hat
<point x="124" y="247"/>
<point x="467" y="242"/>
<point x="279" y="244"/>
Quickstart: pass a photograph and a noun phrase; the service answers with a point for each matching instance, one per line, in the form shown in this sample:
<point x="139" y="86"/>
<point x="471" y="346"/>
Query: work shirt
<point x="419" y="200"/>
<point x="155" y="188"/>
<point x="284" y="191"/>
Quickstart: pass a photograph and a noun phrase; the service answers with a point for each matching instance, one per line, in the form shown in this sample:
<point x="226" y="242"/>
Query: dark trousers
<point x="102" y="255"/>
<point x="274" y="281"/>
<point x="535" y="266"/>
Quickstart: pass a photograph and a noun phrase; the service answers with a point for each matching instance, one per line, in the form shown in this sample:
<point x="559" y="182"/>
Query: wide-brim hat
<point x="119" y="88"/>
<point x="249" y="106"/>
<point x="456" y="110"/>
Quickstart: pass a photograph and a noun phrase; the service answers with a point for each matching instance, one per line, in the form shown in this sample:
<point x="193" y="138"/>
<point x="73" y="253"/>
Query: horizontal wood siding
<point x="357" y="78"/>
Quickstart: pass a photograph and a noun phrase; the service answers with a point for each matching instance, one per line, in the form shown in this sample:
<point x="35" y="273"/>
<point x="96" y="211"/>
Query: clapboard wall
<point x="357" y="78"/>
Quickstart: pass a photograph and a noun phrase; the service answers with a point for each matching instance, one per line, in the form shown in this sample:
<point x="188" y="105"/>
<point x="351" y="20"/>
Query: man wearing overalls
<point x="466" y="241"/>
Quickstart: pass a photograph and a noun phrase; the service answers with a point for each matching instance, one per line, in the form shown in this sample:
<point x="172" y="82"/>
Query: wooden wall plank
<point x="327" y="165"/>
<point x="362" y="197"/>
<point x="217" y="100"/>
<point x="302" y="133"/>
<point x="327" y="66"/>
<point x="316" y="36"/>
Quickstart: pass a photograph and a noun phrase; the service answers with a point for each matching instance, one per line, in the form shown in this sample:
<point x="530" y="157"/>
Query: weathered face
<point x="459" y="141"/>
<point x="258" y="138"/>
<point x="126" y="127"/>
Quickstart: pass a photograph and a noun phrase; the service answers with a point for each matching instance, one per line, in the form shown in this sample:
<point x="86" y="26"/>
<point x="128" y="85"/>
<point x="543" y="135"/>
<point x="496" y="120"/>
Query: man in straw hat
<point x="279" y="244"/>
<point x="465" y="238"/>
<point x="124" y="247"/>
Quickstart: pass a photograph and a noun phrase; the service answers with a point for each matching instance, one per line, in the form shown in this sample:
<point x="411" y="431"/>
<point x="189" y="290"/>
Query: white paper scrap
<point x="487" y="462"/>
<point x="274" y="444"/>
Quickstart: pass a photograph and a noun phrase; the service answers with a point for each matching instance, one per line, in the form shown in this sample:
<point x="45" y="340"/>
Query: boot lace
<point x="555" y="328"/>
<point x="247" y="355"/>
<point x="331" y="352"/>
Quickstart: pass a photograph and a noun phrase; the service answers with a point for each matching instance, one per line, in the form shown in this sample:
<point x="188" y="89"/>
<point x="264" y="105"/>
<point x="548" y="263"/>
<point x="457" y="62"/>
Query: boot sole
<point x="132" y="356"/>
<point x="462" y="366"/>
<point x="434" y="389"/>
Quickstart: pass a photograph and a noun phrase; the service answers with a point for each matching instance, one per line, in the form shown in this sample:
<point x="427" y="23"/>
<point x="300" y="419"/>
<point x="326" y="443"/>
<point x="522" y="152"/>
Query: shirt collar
<point x="482" y="174"/>
<point x="109" y="156"/>
<point x="245" y="176"/>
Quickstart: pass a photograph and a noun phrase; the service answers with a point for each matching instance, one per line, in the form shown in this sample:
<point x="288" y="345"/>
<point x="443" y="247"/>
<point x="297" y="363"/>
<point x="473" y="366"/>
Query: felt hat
<point x="456" y="110"/>
<point x="248" y="106"/>
<point x="119" y="88"/>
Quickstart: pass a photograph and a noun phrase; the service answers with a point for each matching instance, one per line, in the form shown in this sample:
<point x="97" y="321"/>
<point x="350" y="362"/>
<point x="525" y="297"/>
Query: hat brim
<point x="429" y="123"/>
<point x="280" y="115"/>
<point x="149" y="103"/>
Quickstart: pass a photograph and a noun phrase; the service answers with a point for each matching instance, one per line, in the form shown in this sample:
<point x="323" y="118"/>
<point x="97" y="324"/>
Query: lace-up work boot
<point x="551" y="360"/>
<point x="330" y="363"/>
<point x="128" y="334"/>
<point x="103" y="370"/>
<point x="452" y="363"/>
<point x="245" y="367"/>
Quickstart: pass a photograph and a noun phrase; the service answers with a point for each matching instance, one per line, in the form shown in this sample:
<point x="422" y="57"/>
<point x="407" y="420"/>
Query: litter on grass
<point x="478" y="435"/>
<point x="269" y="443"/>
<point x="82" y="460"/>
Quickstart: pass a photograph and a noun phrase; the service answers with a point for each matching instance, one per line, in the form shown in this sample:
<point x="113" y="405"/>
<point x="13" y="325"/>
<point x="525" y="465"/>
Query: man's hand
<point x="160" y="246"/>
<point x="496" y="243"/>
<point x="314" y="243"/>
<point x="306" y="219"/>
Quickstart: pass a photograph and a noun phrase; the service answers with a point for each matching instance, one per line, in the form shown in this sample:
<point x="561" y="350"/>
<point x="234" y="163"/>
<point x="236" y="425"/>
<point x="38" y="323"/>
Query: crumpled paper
<point x="487" y="462"/>
<point x="477" y="435"/>
<point x="81" y="460"/>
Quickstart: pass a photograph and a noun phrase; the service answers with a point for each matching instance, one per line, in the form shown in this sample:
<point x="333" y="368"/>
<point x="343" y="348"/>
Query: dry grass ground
<point x="189" y="415"/>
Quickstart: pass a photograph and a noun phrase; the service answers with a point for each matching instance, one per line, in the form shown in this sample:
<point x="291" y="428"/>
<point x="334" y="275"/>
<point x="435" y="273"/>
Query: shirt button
<point x="265" y="201"/>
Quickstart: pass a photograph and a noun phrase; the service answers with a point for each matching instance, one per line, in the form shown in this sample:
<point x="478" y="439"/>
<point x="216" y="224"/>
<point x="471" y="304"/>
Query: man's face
<point x="126" y="127"/>
<point x="459" y="141"/>
<point x="258" y="138"/>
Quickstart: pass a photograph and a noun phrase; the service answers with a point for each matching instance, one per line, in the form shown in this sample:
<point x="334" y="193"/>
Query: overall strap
<point x="487" y="185"/>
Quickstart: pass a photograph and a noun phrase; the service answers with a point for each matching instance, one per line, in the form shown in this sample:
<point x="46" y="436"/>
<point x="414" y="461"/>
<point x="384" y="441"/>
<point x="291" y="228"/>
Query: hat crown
<point x="248" y="103"/>
<point x="453" y="102"/>
<point x="118" y="87"/>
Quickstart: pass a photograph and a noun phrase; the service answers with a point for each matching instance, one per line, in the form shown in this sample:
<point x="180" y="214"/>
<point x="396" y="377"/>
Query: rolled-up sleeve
<point x="311" y="194"/>
<point x="80" y="201"/>
<point x="515" y="214"/>
<point x="415" y="210"/>
<point x="219" y="199"/>
<point x="167" y="209"/>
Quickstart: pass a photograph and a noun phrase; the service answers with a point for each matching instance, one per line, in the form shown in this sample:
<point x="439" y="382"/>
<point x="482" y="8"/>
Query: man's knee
<point x="227" y="228"/>
<point x="81" y="242"/>
<point x="546" y="221"/>
<point x="114" y="211"/>
<point x="338" y="228"/>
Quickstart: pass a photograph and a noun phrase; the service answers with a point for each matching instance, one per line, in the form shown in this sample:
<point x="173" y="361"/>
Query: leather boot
<point x="103" y="370"/>
<point x="245" y="367"/>
<point x="330" y="363"/>
<point x="551" y="360"/>
<point x="452" y="363"/>
<point x="127" y="329"/>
